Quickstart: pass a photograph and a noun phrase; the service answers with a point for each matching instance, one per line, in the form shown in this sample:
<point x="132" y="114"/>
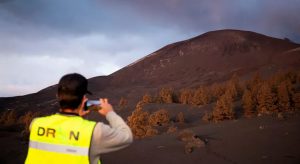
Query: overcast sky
<point x="41" y="40"/>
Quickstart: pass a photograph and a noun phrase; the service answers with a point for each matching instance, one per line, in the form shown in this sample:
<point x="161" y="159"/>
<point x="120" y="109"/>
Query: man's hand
<point x="81" y="110"/>
<point x="105" y="107"/>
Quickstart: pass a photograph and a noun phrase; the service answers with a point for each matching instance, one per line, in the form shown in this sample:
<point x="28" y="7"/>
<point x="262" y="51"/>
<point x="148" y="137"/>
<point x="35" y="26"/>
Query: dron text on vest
<point x="50" y="132"/>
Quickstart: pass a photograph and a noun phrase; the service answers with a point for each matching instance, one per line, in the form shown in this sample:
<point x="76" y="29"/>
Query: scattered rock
<point x="280" y="116"/>
<point x="160" y="147"/>
<point x="261" y="127"/>
<point x="193" y="143"/>
<point x="188" y="149"/>
<point x="172" y="129"/>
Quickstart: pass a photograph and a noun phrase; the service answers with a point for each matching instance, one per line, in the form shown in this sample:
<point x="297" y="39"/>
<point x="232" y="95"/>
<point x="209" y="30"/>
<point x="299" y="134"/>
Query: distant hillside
<point x="212" y="57"/>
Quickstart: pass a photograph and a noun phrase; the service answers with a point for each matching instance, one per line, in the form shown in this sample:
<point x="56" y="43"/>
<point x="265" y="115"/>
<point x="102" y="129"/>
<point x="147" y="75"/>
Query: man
<point x="66" y="137"/>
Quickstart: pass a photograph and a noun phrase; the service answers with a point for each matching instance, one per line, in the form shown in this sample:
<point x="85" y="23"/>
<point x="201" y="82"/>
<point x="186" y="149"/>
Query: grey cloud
<point x="69" y="17"/>
<point x="272" y="17"/>
<point x="110" y="34"/>
<point x="52" y="26"/>
<point x="116" y="17"/>
<point x="53" y="13"/>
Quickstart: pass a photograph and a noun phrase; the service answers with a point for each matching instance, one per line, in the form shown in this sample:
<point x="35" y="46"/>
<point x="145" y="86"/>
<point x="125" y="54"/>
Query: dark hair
<point x="71" y="89"/>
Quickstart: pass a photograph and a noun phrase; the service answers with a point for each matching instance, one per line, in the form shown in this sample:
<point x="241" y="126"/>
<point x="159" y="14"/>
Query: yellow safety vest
<point x="60" y="139"/>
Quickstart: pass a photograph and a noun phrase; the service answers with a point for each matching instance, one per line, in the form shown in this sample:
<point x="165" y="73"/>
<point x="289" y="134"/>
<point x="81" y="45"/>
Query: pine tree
<point x="147" y="98"/>
<point x="138" y="121"/>
<point x="231" y="90"/>
<point x="290" y="87"/>
<point x="298" y="78"/>
<point x="123" y="103"/>
<point x="217" y="90"/>
<point x="200" y="97"/>
<point x="256" y="79"/>
<point x="159" y="118"/>
<point x="266" y="100"/>
<point x="8" y="118"/>
<point x="248" y="103"/>
<point x="283" y="97"/>
<point x="296" y="100"/>
<point x="180" y="117"/>
<point x="292" y="76"/>
<point x="236" y="82"/>
<point x="196" y="98"/>
<point x="255" y="83"/>
<point x="185" y="96"/>
<point x="223" y="109"/>
<point x="166" y="95"/>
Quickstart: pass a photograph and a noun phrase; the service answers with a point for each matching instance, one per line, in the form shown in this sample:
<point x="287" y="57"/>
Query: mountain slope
<point x="207" y="58"/>
<point x="212" y="57"/>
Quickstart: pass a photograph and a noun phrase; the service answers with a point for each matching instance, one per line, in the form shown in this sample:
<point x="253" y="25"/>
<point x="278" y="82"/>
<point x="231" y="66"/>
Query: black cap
<point x="73" y="85"/>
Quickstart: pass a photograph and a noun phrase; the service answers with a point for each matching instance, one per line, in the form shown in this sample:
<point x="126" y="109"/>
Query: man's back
<point x="62" y="129"/>
<point x="59" y="138"/>
<point x="66" y="137"/>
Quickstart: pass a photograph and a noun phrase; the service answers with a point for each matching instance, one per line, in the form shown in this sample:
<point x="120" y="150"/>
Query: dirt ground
<point x="263" y="139"/>
<point x="257" y="140"/>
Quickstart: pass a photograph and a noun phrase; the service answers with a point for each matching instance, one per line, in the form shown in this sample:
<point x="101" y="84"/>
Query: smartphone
<point x="91" y="104"/>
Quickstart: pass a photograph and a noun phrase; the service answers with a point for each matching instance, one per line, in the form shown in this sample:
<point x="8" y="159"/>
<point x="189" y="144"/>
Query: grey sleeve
<point x="112" y="137"/>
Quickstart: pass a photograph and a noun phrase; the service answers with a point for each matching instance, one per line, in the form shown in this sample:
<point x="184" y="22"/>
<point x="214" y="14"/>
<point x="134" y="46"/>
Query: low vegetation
<point x="191" y="140"/>
<point x="8" y="118"/>
<point x="138" y="122"/>
<point x="273" y="96"/>
<point x="276" y="94"/>
<point x="25" y="120"/>
<point x="10" y="121"/>
<point x="180" y="118"/>
<point x="172" y="129"/>
<point x="144" y="124"/>
<point x="159" y="118"/>
<point x="123" y="103"/>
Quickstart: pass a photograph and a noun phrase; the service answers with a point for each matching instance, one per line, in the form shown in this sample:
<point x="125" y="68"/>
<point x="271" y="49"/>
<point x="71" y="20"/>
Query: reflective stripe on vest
<point x="60" y="139"/>
<point x="59" y="148"/>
